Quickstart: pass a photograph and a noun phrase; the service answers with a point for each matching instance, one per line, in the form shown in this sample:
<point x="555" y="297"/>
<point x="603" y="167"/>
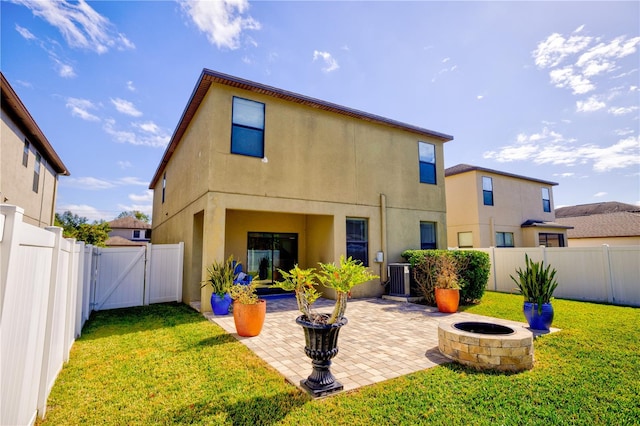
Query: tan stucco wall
<point x="514" y="201"/>
<point x="16" y="180"/>
<point x="611" y="241"/>
<point x="320" y="168"/>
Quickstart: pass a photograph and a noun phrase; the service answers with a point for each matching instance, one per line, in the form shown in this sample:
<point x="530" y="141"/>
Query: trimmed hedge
<point x="473" y="277"/>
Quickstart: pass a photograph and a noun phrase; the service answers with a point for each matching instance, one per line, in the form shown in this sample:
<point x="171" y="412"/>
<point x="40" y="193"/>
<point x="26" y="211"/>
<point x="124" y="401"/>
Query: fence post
<point x="146" y="289"/>
<point x="10" y="216"/>
<point x="180" y="271"/>
<point x="43" y="392"/>
<point x="78" y="253"/>
<point x="608" y="274"/>
<point x="492" y="259"/>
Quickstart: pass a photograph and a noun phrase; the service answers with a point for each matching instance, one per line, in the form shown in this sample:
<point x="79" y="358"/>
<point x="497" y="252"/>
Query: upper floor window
<point x="136" y="233"/>
<point x="36" y="173"/>
<point x="427" y="235"/>
<point x="546" y="200"/>
<point x="487" y="190"/>
<point x="427" y="154"/>
<point x="358" y="240"/>
<point x="247" y="130"/>
<point x="504" y="239"/>
<point x="164" y="185"/>
<point x="25" y="153"/>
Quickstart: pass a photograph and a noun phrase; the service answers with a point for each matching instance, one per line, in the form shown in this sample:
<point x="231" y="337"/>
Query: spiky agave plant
<point x="536" y="283"/>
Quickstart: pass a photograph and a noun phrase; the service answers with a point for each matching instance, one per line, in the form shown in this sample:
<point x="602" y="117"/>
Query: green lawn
<point x="166" y="364"/>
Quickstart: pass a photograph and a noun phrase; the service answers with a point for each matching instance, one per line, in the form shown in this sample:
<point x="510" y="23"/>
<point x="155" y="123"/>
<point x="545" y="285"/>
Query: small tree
<point x="95" y="234"/>
<point x="135" y="213"/>
<point x="69" y="223"/>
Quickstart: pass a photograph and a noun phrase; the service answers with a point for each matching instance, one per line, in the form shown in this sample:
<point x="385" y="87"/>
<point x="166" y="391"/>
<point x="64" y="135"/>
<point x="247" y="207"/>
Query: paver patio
<point x="384" y="339"/>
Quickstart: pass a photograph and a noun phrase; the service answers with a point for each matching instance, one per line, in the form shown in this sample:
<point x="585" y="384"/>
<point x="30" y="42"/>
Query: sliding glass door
<point x="267" y="252"/>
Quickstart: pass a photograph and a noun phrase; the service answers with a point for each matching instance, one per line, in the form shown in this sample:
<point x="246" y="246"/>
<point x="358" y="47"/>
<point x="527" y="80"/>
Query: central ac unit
<point x="399" y="279"/>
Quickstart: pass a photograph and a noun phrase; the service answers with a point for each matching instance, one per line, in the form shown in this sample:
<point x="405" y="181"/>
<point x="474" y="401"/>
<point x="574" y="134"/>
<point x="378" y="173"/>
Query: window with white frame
<point x="427" y="154"/>
<point x="358" y="240"/>
<point x="427" y="235"/>
<point x="546" y="200"/>
<point x="504" y="239"/>
<point x="25" y="153"/>
<point x="465" y="239"/>
<point x="36" y="173"/>
<point x="247" y="130"/>
<point x="487" y="190"/>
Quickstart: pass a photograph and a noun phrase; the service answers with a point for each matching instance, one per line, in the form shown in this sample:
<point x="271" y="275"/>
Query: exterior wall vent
<point x="399" y="279"/>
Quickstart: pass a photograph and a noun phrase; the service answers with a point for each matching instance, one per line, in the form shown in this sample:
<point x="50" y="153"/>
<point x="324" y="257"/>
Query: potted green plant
<point x="321" y="329"/>
<point x="438" y="279"/>
<point x="249" y="310"/>
<point x="447" y="285"/>
<point x="537" y="283"/>
<point x="220" y="276"/>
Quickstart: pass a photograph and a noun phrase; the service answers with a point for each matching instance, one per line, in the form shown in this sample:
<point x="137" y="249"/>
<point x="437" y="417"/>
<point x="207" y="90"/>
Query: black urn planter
<point x="321" y="345"/>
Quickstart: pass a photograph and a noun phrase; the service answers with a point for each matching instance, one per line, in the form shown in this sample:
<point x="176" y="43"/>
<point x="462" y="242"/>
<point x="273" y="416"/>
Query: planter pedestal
<point x="321" y="345"/>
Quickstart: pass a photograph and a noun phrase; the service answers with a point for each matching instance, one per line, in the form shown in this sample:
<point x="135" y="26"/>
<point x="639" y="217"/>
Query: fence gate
<point x="123" y="277"/>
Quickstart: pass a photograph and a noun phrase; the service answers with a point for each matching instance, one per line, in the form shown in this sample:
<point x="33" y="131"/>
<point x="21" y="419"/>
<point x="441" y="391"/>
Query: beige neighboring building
<point x="128" y="231"/>
<point x="595" y="224"/>
<point x="29" y="166"/>
<point x="275" y="178"/>
<point x="490" y="208"/>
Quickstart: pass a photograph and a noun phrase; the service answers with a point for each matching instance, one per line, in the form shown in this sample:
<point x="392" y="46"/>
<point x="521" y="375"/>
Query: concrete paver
<point x="383" y="340"/>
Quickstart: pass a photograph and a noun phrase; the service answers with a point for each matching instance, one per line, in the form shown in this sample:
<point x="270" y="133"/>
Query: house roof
<point x="120" y="241"/>
<point x="595" y="208"/>
<point x="207" y="77"/>
<point x="129" y="222"/>
<point x="464" y="168"/>
<point x="16" y="110"/>
<point x="542" y="224"/>
<point x="616" y="224"/>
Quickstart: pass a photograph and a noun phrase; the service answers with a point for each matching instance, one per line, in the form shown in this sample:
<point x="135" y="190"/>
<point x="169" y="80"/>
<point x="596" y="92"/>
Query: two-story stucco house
<point x="29" y="166"/>
<point x="275" y="178"/>
<point x="127" y="231"/>
<point x="490" y="208"/>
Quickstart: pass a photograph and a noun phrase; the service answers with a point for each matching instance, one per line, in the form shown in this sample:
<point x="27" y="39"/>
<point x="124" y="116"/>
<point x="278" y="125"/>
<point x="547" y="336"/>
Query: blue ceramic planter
<point x="538" y="321"/>
<point x="220" y="304"/>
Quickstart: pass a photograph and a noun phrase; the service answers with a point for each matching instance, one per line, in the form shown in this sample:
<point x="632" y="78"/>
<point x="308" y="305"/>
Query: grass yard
<point x="165" y="364"/>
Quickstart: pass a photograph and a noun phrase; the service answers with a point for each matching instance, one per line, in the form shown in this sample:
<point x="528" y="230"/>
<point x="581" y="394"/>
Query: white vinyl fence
<point x="595" y="274"/>
<point x="48" y="287"/>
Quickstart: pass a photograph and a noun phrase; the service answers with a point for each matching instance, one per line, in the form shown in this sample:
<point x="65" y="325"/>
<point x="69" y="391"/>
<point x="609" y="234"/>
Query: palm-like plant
<point x="220" y="276"/>
<point x="536" y="283"/>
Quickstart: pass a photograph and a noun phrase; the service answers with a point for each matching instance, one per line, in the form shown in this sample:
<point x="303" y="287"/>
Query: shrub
<point x="473" y="272"/>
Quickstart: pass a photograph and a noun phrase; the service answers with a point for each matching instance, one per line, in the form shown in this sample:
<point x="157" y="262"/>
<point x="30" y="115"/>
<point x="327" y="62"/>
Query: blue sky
<point x="549" y="90"/>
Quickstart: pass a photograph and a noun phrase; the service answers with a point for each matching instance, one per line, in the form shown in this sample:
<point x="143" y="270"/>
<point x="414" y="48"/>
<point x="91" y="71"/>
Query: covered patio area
<point x="384" y="339"/>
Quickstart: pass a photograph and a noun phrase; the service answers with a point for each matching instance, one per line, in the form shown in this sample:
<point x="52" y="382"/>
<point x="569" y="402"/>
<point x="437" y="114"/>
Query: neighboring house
<point x="612" y="223"/>
<point x="128" y="231"/>
<point x="29" y="166"/>
<point x="490" y="208"/>
<point x="275" y="178"/>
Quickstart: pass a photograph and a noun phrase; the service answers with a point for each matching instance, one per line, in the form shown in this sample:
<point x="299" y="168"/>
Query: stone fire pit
<point x="487" y="346"/>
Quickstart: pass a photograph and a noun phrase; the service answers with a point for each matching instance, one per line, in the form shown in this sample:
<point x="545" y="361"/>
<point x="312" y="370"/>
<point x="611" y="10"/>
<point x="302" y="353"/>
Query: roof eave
<point x="20" y="113"/>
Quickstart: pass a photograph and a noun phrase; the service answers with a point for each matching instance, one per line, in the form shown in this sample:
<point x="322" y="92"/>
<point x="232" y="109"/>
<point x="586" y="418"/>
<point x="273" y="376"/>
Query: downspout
<point x="383" y="237"/>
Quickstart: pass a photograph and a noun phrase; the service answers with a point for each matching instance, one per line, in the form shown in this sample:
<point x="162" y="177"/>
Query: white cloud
<point x="64" y="70"/>
<point x="88" y="183"/>
<point x="223" y="21"/>
<point x="25" y="33"/>
<point x="139" y="198"/>
<point x="80" y="25"/>
<point x="130" y="86"/>
<point x="566" y="77"/>
<point x="600" y="194"/>
<point x="145" y="134"/>
<point x="143" y="208"/>
<point x="330" y="63"/>
<point x="622" y="110"/>
<point x="549" y="147"/>
<point x="479" y="97"/>
<point x="552" y="51"/>
<point x="125" y="107"/>
<point x="130" y="180"/>
<point x="564" y="175"/>
<point x="590" y="105"/>
<point x="79" y="108"/>
<point x="83" y="210"/>
<point x="124" y="164"/>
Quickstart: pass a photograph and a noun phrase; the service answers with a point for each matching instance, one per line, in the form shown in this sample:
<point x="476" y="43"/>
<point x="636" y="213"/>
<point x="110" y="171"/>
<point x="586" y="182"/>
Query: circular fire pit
<point x="487" y="346"/>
